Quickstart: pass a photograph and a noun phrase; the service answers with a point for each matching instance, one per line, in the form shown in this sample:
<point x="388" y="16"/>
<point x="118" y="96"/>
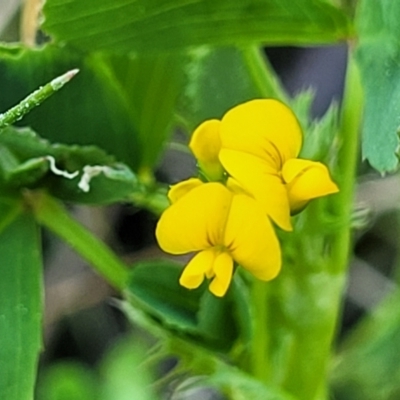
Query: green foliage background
<point x="145" y="69"/>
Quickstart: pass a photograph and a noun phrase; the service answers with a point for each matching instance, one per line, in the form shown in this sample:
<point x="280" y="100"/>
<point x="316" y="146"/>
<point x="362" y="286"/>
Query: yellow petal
<point x="306" y="180"/>
<point x="259" y="180"/>
<point x="265" y="128"/>
<point x="223" y="269"/>
<point x="180" y="189"/>
<point x="251" y="239"/>
<point x="205" y="145"/>
<point x="234" y="186"/>
<point x="194" y="273"/>
<point x="196" y="221"/>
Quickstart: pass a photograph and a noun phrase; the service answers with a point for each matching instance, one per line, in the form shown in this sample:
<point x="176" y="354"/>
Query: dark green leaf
<point x="20" y="303"/>
<point x="24" y="161"/>
<point x="154" y="286"/>
<point x="193" y="314"/>
<point x="378" y="55"/>
<point x="148" y="26"/>
<point x="223" y="320"/>
<point x="150" y="86"/>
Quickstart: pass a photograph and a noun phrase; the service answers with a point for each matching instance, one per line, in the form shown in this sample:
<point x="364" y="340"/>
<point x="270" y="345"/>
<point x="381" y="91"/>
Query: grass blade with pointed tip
<point x="35" y="99"/>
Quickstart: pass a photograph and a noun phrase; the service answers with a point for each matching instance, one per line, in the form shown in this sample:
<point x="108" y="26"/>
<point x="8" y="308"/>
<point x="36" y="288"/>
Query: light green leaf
<point x="148" y="26"/>
<point x="319" y="136"/>
<point x="125" y="376"/>
<point x="237" y="385"/>
<point x="20" y="304"/>
<point x="368" y="365"/>
<point x="378" y="55"/>
<point x="66" y="381"/>
<point x="219" y="79"/>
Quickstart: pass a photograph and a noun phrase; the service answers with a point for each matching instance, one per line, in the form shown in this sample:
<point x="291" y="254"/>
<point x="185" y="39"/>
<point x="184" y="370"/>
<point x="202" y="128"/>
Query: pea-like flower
<point x="259" y="142"/>
<point x="223" y="227"/>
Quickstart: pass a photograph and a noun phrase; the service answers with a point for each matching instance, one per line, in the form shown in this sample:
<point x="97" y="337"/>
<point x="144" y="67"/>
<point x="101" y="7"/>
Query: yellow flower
<point x="258" y="143"/>
<point x="222" y="227"/>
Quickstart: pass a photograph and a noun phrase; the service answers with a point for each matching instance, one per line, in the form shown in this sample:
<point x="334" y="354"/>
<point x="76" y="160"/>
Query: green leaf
<point x="378" y="55"/>
<point x="154" y="287"/>
<point x="24" y="161"/>
<point x="90" y="110"/>
<point x="223" y="320"/>
<point x="125" y="375"/>
<point x="237" y="385"/>
<point x="20" y="302"/>
<point x="196" y="315"/>
<point x="148" y="26"/>
<point x="319" y="136"/>
<point x="222" y="78"/>
<point x="368" y="365"/>
<point x="150" y="86"/>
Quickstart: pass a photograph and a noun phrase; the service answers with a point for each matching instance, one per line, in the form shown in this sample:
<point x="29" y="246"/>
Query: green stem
<point x="263" y="75"/>
<point x="153" y="198"/>
<point x="259" y="363"/>
<point x="267" y="85"/>
<point x="330" y="292"/>
<point x="51" y="214"/>
<point x="34" y="99"/>
<point x="306" y="297"/>
<point x="352" y="108"/>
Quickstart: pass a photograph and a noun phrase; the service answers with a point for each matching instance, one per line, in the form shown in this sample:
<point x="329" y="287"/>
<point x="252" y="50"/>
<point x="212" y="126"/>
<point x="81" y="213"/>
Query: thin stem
<point x="347" y="164"/>
<point x="259" y="344"/>
<point x="51" y="214"/>
<point x="34" y="99"/>
<point x="263" y="75"/>
<point x="267" y="85"/>
<point x="306" y="298"/>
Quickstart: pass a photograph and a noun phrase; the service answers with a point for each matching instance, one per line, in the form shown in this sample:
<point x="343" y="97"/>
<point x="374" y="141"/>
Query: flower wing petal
<point x="306" y="180"/>
<point x="260" y="181"/>
<point x="180" y="189"/>
<point x="205" y="145"/>
<point x="265" y="128"/>
<point x="251" y="239"/>
<point x="196" y="221"/>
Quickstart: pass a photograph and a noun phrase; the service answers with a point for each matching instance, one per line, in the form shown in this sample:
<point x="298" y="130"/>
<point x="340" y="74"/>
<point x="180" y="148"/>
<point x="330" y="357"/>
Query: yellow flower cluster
<point x="250" y="176"/>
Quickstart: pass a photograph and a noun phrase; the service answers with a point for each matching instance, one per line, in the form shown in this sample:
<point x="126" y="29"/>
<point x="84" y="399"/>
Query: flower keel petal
<point x="193" y="274"/>
<point x="260" y="181"/>
<point x="223" y="270"/>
